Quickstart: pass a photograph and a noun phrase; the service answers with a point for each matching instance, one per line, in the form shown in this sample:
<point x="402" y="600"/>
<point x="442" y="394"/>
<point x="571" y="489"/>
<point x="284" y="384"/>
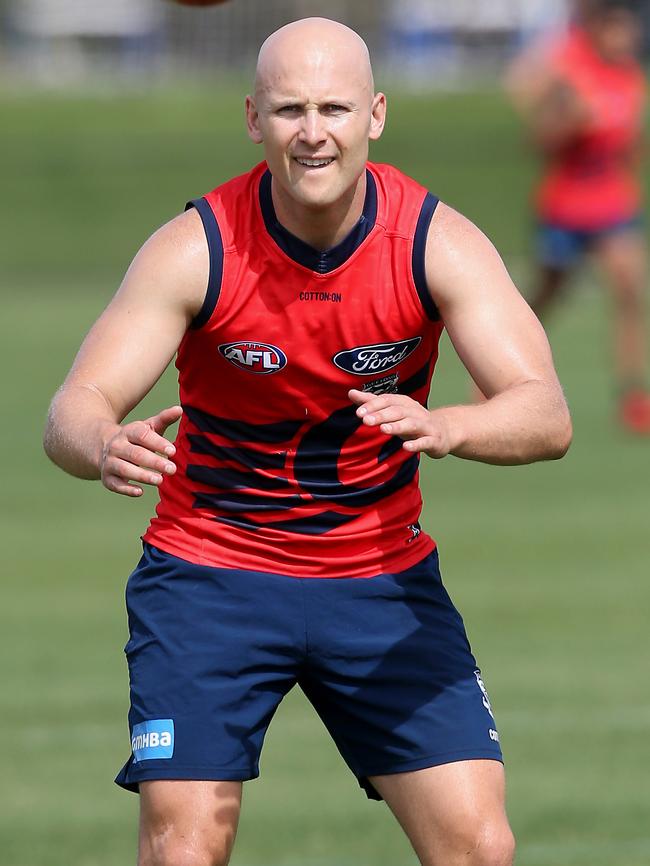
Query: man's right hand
<point x="138" y="453"/>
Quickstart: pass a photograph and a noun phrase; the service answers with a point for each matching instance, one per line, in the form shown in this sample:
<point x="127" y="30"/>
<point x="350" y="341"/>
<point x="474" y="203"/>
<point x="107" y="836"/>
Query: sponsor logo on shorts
<point x="253" y="356"/>
<point x="486" y="697"/>
<point x="378" y="358"/>
<point x="153" y="739"/>
<point x="494" y="735"/>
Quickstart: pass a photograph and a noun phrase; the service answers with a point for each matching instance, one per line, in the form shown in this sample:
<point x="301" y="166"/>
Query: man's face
<point x="617" y="35"/>
<point x="315" y="113"/>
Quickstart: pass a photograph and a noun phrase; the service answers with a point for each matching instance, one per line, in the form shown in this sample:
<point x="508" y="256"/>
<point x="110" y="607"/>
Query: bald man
<point x="304" y="302"/>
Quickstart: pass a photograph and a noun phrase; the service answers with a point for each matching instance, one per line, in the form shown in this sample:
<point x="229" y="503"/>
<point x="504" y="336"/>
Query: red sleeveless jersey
<point x="275" y="472"/>
<point x="592" y="183"/>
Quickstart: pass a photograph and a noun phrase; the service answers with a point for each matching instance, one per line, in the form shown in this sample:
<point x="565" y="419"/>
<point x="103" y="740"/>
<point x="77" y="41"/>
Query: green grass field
<point x="549" y="563"/>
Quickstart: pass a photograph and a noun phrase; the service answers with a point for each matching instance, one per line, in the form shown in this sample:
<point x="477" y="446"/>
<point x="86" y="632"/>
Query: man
<point x="582" y="97"/>
<point x="286" y="546"/>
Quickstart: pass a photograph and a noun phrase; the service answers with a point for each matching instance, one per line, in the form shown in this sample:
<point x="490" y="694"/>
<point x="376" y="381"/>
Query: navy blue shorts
<point x="384" y="660"/>
<point x="561" y="248"/>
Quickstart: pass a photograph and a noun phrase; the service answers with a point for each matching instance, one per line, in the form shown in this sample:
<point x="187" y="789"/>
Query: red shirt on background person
<point x="582" y="97"/>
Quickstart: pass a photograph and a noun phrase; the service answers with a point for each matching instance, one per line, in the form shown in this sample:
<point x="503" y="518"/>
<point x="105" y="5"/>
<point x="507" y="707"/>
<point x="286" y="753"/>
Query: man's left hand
<point x="399" y="415"/>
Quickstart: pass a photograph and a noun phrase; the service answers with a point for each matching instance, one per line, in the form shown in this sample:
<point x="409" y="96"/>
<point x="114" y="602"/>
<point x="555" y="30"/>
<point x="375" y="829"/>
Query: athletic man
<point x="582" y="96"/>
<point x="286" y="546"/>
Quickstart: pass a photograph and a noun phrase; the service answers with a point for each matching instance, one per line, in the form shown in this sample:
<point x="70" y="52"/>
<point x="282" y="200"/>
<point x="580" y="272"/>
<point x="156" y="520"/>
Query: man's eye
<point x="334" y="108"/>
<point x="289" y="109"/>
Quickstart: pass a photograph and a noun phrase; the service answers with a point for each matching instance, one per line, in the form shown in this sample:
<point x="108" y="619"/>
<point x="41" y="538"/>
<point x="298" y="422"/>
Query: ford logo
<point x="370" y="360"/>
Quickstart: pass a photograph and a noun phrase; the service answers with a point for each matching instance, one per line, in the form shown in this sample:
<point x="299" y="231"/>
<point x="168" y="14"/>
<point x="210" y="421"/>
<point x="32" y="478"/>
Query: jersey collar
<point x="320" y="261"/>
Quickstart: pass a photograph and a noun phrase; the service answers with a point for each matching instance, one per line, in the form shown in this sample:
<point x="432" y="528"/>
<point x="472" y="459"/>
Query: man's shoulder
<point x="450" y="222"/>
<point x="453" y="241"/>
<point x="181" y="234"/>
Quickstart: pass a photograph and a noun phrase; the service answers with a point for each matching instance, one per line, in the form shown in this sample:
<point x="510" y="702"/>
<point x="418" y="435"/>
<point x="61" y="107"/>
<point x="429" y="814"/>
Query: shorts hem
<point x="130" y="780"/>
<point x="423" y="763"/>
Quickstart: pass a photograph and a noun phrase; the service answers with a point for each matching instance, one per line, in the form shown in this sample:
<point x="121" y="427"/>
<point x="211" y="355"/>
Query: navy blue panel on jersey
<point x="416" y="381"/>
<point x="321" y="261"/>
<point x="233" y="479"/>
<point x="246" y="502"/>
<point x="391" y="446"/>
<point x="429" y="205"/>
<point x="384" y="660"/>
<point x="313" y="524"/>
<point x="241" y="431"/>
<point x="241" y="456"/>
<point x="215" y="249"/>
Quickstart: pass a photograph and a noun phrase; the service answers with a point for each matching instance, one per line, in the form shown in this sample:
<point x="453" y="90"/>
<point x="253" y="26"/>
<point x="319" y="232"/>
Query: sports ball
<point x="199" y="2"/>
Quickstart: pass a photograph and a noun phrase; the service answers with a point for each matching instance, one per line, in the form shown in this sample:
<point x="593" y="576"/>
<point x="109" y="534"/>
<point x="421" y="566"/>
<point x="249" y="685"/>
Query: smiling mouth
<point x="314" y="163"/>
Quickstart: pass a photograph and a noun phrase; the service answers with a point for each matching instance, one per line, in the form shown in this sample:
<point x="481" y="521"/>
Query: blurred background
<point x="113" y="115"/>
<point x="426" y="41"/>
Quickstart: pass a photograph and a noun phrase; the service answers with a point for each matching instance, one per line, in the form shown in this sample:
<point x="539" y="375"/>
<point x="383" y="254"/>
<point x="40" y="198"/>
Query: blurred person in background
<point x="304" y="301"/>
<point x="582" y="96"/>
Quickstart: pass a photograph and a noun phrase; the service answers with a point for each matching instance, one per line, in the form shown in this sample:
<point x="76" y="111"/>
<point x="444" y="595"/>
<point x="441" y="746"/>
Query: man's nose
<point x="313" y="128"/>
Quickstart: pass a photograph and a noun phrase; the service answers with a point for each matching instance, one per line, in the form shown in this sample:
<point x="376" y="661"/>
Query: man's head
<point x="614" y="28"/>
<point x="314" y="109"/>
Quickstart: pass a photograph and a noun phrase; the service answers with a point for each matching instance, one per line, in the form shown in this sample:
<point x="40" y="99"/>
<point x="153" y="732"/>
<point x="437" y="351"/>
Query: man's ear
<point x="252" y="121"/>
<point x="377" y="116"/>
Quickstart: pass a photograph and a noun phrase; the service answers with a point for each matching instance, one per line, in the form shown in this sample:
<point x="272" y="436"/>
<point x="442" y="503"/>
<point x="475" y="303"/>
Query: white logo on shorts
<point x="486" y="698"/>
<point x="153" y="739"/>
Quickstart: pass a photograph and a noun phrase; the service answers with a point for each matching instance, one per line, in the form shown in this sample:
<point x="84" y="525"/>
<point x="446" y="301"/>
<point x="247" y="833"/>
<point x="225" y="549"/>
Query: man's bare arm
<point x="505" y="350"/>
<point x="123" y="356"/>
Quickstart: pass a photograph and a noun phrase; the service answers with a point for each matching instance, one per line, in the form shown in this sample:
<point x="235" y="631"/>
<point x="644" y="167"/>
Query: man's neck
<point x="321" y="228"/>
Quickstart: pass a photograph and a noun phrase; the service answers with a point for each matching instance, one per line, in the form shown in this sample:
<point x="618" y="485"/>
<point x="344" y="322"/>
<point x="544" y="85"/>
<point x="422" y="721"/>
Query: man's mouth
<point x="314" y="163"/>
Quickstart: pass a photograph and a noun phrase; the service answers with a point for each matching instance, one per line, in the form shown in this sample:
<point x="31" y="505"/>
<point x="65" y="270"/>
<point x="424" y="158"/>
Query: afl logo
<point x="254" y="357"/>
<point x="370" y="360"/>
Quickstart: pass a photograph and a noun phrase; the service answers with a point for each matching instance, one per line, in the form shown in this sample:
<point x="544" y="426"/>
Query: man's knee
<point x="489" y="846"/>
<point x="185" y="823"/>
<point x="170" y="849"/>
<point x="474" y="843"/>
<point x="168" y="843"/>
<point x="499" y="850"/>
